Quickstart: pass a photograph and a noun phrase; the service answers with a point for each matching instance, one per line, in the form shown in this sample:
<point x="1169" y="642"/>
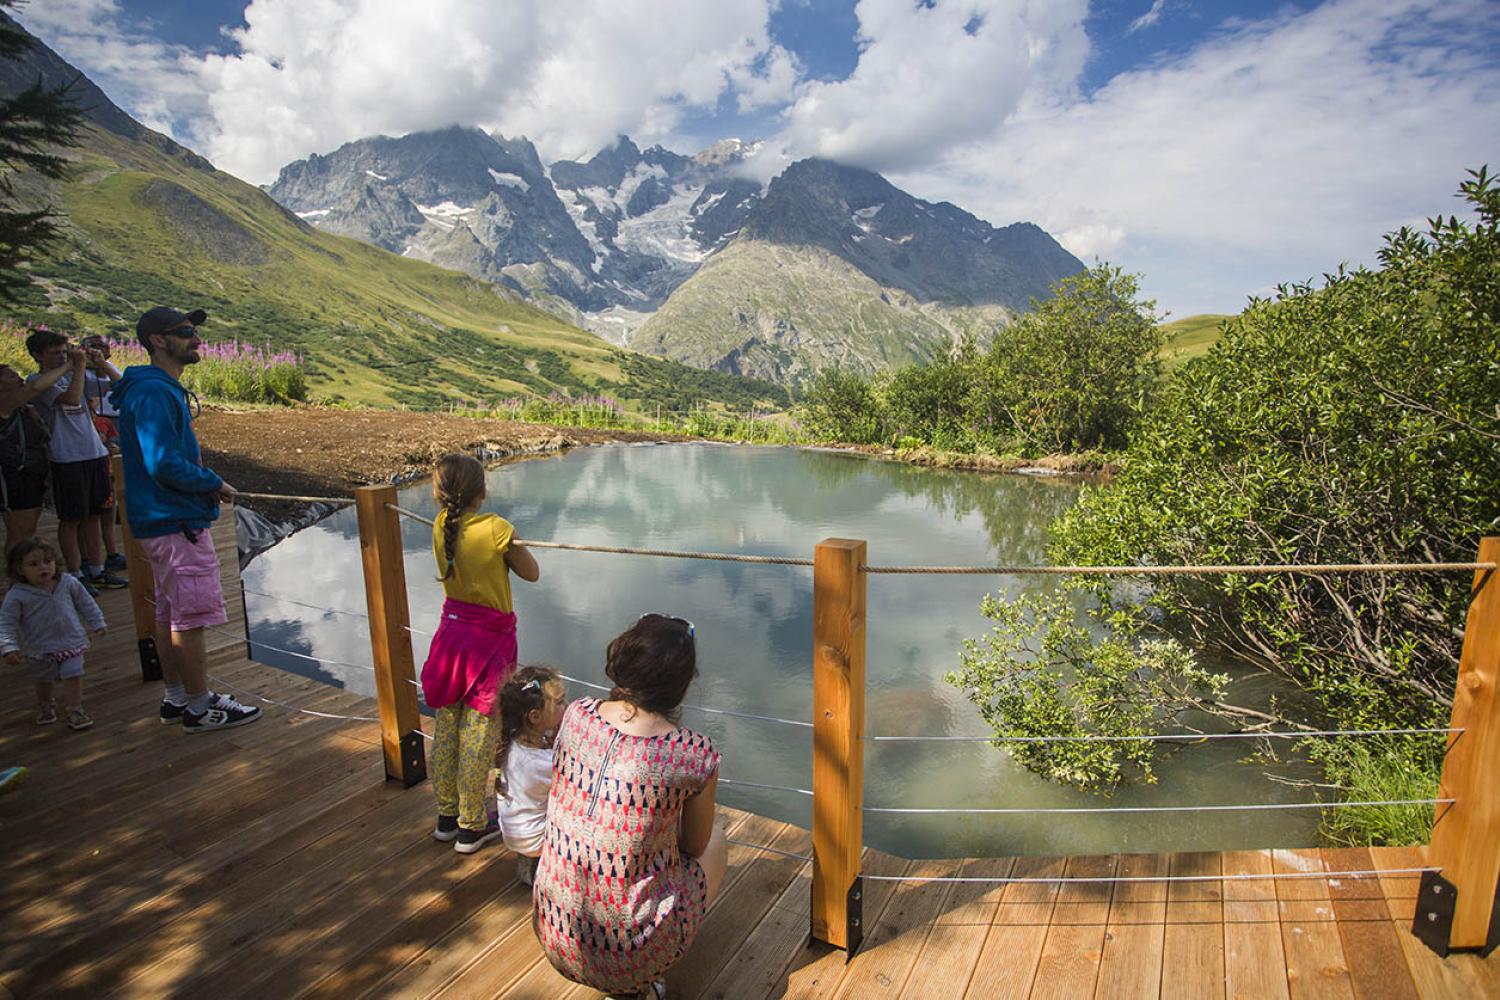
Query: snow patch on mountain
<point x="378" y="177"/>
<point x="316" y="213"/>
<point x="509" y="180"/>
<point x="665" y="231"/>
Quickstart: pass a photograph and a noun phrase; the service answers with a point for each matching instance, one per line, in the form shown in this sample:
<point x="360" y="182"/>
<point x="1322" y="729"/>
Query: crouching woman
<point x="632" y="855"/>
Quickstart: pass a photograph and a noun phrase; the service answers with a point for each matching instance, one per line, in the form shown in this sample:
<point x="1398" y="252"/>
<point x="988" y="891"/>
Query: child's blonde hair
<point x="525" y="691"/>
<point x="457" y="482"/>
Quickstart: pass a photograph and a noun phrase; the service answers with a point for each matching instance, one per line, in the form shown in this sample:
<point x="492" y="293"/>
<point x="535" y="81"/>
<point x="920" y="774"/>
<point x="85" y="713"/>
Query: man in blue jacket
<point x="170" y="501"/>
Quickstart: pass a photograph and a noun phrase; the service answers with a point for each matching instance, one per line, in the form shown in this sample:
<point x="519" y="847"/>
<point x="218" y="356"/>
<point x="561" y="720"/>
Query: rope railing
<point x="771" y="788"/>
<point x="1118" y="879"/>
<point x="1246" y="734"/>
<point x="1115" y="810"/>
<point x="1204" y="570"/>
<point x="304" y="604"/>
<point x="769" y="849"/>
<point x="341" y="501"/>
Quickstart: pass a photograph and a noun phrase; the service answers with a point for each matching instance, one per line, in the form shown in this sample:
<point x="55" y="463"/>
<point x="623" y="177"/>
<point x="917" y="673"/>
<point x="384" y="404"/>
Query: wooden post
<point x="142" y="583"/>
<point x="390" y="642"/>
<point x="1466" y="839"/>
<point x="838" y="749"/>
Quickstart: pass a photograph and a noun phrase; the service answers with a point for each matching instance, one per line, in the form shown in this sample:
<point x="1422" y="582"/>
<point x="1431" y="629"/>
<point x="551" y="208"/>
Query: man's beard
<point x="183" y="354"/>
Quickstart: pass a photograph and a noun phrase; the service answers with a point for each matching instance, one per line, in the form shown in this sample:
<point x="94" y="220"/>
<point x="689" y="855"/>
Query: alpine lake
<point x="755" y="634"/>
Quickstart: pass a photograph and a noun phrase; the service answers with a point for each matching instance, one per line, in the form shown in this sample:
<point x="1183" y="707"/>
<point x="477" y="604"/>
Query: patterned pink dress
<point x="616" y="903"/>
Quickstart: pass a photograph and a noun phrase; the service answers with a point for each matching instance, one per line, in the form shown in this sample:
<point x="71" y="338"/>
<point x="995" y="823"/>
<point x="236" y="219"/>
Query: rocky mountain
<point x="602" y="242"/>
<point x="685" y="256"/>
<point x="837" y="266"/>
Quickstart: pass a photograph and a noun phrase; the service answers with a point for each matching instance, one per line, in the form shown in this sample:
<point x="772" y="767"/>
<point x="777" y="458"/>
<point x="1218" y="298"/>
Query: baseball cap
<point x="164" y="318"/>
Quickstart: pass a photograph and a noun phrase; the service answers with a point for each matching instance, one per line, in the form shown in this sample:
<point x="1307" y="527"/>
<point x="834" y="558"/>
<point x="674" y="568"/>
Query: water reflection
<point x="755" y="627"/>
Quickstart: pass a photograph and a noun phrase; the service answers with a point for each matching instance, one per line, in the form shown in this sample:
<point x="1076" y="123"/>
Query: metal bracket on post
<point x="1432" y="924"/>
<point x="414" y="757"/>
<point x="150" y="659"/>
<point x="854" y="908"/>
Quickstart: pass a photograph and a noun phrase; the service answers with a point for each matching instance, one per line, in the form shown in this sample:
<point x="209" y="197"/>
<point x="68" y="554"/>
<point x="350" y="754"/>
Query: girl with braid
<point x="473" y="652"/>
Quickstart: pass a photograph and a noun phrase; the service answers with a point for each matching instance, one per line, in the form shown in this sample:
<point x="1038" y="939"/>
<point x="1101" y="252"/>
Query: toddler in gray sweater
<point x="42" y="623"/>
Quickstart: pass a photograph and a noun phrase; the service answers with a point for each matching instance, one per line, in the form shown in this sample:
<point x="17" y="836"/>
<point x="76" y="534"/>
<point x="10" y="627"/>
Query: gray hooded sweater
<point x="39" y="621"/>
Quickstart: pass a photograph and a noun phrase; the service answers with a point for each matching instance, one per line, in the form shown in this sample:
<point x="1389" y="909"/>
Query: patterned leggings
<point x="463" y="754"/>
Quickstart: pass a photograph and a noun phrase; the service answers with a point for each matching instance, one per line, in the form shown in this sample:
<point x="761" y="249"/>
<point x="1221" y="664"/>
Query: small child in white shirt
<point x="531" y="706"/>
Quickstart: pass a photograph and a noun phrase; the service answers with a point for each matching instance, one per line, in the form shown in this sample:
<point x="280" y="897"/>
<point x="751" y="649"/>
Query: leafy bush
<point x="1350" y="423"/>
<point x="1039" y="673"/>
<point x="1075" y="373"/>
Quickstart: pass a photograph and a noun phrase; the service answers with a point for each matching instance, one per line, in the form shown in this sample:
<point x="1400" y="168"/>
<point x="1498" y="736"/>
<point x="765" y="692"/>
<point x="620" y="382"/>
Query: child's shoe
<point x="470" y="841"/>
<point x="446" y="829"/>
<point x="78" y="718"/>
<point x="103" y="580"/>
<point x="115" y="563"/>
<point x="46" y="713"/>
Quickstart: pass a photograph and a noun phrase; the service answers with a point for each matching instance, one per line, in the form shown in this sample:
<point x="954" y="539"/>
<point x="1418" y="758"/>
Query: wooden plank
<point x="894" y="941"/>
<point x="384" y="565"/>
<point x="1376" y="965"/>
<point x="1315" y="963"/>
<point x="1254" y="956"/>
<point x="757" y="968"/>
<point x="255" y="905"/>
<point x="951" y="952"/>
<point x="1008" y="962"/>
<point x="838" y="731"/>
<point x="1400" y="891"/>
<point x="1074" y="948"/>
<point x="1466" y="843"/>
<point x="816" y="969"/>
<point x="1193" y="947"/>
<point x="754" y="881"/>
<point x="1135" y="937"/>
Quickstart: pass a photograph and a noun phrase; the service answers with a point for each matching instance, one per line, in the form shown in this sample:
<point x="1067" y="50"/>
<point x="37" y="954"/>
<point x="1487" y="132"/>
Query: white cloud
<point x="1270" y="153"/>
<point x="933" y="77"/>
<point x="1149" y="18"/>
<point x="306" y="75"/>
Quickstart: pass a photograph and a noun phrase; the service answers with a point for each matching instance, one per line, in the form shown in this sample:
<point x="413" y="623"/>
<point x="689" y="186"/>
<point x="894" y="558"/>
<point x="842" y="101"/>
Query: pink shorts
<point x="188" y="593"/>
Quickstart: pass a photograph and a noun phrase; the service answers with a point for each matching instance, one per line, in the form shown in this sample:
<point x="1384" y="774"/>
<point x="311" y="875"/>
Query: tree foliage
<point x="1039" y="672"/>
<point x="1353" y="422"/>
<point x="34" y="124"/>
<point x="1073" y="374"/>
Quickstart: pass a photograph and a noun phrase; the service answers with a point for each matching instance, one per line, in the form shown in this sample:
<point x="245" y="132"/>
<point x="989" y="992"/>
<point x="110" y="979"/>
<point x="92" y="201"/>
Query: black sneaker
<point x="470" y="841"/>
<point x="115" y="563"/>
<point x="108" y="581"/>
<point x="171" y="714"/>
<point x="223" y="713"/>
<point x="446" y="829"/>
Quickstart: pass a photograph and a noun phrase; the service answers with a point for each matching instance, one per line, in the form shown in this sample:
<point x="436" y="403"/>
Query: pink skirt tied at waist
<point x="472" y="654"/>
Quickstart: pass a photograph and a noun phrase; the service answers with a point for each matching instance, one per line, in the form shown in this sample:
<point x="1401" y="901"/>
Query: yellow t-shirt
<point x="480" y="575"/>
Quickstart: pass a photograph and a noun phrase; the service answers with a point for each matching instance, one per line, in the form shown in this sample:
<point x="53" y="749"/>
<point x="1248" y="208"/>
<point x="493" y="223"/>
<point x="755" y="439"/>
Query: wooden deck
<point x="274" y="861"/>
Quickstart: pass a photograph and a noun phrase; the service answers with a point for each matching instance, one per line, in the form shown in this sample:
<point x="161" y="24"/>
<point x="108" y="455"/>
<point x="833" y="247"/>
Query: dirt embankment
<point x="310" y="451"/>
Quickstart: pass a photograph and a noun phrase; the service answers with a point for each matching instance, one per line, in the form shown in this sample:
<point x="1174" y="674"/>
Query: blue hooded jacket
<point x="167" y="488"/>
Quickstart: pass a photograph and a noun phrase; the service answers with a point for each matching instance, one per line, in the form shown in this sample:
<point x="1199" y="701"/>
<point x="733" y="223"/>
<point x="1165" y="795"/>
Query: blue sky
<point x="1217" y="147"/>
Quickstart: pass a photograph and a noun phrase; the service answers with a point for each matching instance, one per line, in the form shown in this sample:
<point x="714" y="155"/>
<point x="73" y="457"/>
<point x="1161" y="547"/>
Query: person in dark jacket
<point x="171" y="499"/>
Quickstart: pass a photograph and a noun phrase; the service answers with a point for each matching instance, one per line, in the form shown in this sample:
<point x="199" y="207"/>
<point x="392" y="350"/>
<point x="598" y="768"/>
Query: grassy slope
<point x="375" y="328"/>
<point x="1189" y="337"/>
<point x="800" y="309"/>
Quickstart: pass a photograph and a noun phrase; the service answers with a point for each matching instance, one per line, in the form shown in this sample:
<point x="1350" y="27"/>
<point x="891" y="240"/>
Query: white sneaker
<point x="223" y="713"/>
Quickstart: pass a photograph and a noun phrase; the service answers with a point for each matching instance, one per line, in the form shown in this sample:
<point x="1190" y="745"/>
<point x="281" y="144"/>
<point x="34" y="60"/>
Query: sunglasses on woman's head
<point x="692" y="632"/>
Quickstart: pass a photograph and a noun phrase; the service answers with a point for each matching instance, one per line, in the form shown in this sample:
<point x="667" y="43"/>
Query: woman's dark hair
<point x="525" y="691"/>
<point x="652" y="663"/>
<point x="17" y="553"/>
<point x="457" y="481"/>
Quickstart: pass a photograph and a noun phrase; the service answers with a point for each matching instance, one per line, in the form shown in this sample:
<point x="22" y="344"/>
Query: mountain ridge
<point x="611" y="243"/>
